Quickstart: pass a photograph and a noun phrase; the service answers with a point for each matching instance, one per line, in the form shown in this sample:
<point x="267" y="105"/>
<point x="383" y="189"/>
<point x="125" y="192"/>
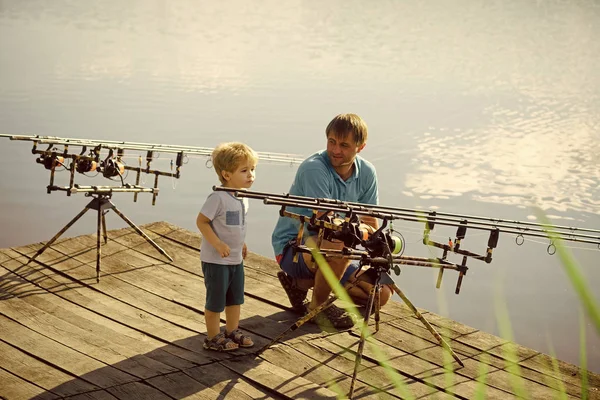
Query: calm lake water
<point x="474" y="107"/>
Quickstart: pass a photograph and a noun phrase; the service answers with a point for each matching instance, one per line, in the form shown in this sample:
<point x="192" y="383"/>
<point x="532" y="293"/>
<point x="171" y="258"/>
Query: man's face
<point x="342" y="150"/>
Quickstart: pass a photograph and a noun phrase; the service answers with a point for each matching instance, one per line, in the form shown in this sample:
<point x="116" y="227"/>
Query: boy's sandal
<point x="238" y="337"/>
<point x="220" y="343"/>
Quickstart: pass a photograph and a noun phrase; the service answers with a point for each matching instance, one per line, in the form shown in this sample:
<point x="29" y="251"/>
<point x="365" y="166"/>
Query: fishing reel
<point x="383" y="243"/>
<point x="50" y="161"/>
<point x="377" y="243"/>
<point x="83" y="165"/>
<point x="112" y="167"/>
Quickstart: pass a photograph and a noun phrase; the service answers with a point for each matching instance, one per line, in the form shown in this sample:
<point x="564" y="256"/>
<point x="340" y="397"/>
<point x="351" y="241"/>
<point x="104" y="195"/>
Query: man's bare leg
<point x="321" y="289"/>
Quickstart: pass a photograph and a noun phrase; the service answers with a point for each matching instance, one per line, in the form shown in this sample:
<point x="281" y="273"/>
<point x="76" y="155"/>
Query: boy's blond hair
<point x="344" y="124"/>
<point x="229" y="156"/>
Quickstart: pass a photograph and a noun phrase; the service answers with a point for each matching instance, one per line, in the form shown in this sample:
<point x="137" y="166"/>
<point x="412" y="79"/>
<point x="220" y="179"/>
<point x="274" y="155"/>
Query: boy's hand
<point x="244" y="251"/>
<point x="223" y="249"/>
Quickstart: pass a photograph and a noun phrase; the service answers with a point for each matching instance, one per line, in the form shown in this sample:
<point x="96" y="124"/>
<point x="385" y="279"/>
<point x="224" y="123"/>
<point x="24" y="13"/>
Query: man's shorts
<point x="301" y="271"/>
<point x="224" y="285"/>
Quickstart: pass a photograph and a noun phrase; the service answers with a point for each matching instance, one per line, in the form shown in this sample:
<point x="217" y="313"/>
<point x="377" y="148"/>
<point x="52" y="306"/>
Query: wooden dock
<point x="138" y="333"/>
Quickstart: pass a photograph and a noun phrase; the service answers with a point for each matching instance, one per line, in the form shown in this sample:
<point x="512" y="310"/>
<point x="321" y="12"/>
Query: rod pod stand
<point x="378" y="276"/>
<point x="102" y="204"/>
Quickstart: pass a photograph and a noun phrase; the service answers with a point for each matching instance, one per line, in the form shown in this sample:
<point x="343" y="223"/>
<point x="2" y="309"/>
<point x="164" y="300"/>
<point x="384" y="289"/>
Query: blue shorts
<point x="224" y="285"/>
<point x="301" y="271"/>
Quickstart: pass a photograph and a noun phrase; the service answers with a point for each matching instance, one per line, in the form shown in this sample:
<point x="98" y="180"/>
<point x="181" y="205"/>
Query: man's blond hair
<point x="229" y="156"/>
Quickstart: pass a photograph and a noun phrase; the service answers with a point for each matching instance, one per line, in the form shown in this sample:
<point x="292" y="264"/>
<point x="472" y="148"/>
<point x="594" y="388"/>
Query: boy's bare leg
<point x="232" y="315"/>
<point x="232" y="318"/>
<point x="213" y="323"/>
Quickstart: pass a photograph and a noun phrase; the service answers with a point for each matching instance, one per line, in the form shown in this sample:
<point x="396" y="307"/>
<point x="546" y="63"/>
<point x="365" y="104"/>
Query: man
<point x="335" y="173"/>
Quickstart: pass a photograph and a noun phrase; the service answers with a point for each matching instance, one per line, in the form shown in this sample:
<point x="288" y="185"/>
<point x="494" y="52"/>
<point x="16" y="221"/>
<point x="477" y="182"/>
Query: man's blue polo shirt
<point x="317" y="178"/>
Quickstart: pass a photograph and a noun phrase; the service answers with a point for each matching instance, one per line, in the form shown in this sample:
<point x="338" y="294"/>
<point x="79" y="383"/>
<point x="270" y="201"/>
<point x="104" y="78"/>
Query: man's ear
<point x="362" y="146"/>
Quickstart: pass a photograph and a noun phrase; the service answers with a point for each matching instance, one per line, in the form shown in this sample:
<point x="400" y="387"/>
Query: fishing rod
<point x="107" y="157"/>
<point x="350" y="213"/>
<point x="431" y="218"/>
<point x="159" y="148"/>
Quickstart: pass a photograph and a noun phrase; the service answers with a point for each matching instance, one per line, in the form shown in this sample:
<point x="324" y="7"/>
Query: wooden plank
<point x="415" y="328"/>
<point x="323" y="373"/>
<point x="147" y="309"/>
<point x="282" y="381"/>
<point x="168" y="282"/>
<point x="99" y="325"/>
<point x="568" y="373"/>
<point x="327" y="351"/>
<point x="88" y="343"/>
<point x="30" y="369"/>
<point x="63" y="357"/>
<point x="504" y="380"/>
<point x="179" y="235"/>
<point x="443" y="322"/>
<point x="178" y="341"/>
<point x="227" y="384"/>
<point x="468" y="389"/>
<point x="181" y="386"/>
<point x="137" y="390"/>
<point x="96" y="395"/>
<point x="14" y="388"/>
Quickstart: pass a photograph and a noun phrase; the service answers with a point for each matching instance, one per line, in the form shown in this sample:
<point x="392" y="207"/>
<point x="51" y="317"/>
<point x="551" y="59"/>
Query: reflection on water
<point x="473" y="106"/>
<point x="533" y="155"/>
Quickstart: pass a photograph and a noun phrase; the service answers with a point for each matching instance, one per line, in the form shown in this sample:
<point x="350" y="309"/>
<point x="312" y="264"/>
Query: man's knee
<point x="385" y="294"/>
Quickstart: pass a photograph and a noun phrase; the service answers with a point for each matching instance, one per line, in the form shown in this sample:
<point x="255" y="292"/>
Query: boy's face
<point x="242" y="177"/>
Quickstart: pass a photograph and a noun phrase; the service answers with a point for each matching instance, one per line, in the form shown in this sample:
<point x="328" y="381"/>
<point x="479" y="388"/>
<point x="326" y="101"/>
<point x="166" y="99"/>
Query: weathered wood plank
<point x="63" y="357"/>
<point x="181" y="386"/>
<point x="323" y="373"/>
<point x="97" y="324"/>
<point x="172" y="283"/>
<point x="30" y="369"/>
<point x="137" y="390"/>
<point x="278" y="379"/>
<point x="229" y="385"/>
<point x="568" y="373"/>
<point x="14" y="388"/>
<point x="145" y="318"/>
<point x="96" y="395"/>
<point x="341" y="355"/>
<point x="178" y="341"/>
<point x="95" y="346"/>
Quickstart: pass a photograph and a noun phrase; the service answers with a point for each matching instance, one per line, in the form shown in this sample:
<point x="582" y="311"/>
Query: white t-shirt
<point x="227" y="214"/>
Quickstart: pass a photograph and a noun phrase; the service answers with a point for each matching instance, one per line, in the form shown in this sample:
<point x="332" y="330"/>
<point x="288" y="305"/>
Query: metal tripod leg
<point x="104" y="229"/>
<point x="372" y="301"/>
<point x="98" y="252"/>
<point x="63" y="230"/>
<point x="140" y="232"/>
<point x="430" y="328"/>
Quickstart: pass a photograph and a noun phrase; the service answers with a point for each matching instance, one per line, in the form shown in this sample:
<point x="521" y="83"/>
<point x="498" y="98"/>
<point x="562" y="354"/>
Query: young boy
<point x="222" y="222"/>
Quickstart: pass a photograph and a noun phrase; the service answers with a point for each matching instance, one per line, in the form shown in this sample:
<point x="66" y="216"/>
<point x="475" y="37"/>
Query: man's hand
<point x="222" y="249"/>
<point x="244" y="251"/>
